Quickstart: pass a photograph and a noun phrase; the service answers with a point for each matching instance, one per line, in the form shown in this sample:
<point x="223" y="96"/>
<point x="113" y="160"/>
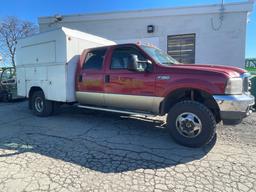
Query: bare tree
<point x="12" y="29"/>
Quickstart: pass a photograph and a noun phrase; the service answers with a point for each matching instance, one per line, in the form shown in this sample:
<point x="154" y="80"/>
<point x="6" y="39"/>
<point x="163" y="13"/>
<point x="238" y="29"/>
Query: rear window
<point x="94" y="59"/>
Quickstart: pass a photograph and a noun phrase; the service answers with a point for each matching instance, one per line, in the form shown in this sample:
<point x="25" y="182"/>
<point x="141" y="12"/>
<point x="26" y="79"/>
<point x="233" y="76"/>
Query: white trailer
<point x="47" y="61"/>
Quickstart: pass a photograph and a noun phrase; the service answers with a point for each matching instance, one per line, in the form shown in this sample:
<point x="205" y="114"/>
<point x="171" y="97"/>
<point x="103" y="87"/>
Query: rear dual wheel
<point x="191" y="124"/>
<point x="40" y="106"/>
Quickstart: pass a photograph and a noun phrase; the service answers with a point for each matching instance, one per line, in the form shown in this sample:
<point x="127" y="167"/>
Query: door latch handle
<point x="80" y="78"/>
<point x="107" y="79"/>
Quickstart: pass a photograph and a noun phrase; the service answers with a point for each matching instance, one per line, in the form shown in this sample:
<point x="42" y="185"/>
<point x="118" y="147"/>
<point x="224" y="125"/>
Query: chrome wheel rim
<point x="39" y="104"/>
<point x="188" y="125"/>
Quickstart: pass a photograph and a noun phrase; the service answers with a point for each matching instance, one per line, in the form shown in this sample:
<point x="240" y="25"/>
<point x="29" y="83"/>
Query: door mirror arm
<point x="149" y="66"/>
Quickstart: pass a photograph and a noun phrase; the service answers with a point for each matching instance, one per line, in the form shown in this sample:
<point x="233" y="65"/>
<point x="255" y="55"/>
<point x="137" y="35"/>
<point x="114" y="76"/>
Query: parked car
<point x="250" y="65"/>
<point x="8" y="84"/>
<point x="131" y="79"/>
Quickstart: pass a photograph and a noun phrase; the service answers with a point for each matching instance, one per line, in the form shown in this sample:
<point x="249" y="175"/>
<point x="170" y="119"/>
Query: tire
<point x="182" y="119"/>
<point x="40" y="106"/>
<point x="7" y="97"/>
<point x="56" y="108"/>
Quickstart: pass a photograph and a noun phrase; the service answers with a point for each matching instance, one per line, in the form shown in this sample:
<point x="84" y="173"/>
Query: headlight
<point x="234" y="86"/>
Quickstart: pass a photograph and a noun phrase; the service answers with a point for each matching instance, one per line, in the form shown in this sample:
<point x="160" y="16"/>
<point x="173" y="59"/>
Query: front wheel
<point x="7" y="97"/>
<point x="40" y="106"/>
<point x="191" y="124"/>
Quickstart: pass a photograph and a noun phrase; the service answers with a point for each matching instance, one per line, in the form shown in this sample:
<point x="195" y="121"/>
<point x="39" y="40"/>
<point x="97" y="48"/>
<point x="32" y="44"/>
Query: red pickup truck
<point x="139" y="79"/>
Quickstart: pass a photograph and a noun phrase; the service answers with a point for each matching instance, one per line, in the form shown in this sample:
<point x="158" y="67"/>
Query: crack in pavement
<point x="99" y="151"/>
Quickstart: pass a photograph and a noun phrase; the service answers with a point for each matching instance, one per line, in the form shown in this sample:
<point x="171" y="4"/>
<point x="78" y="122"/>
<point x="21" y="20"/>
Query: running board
<point x="115" y="110"/>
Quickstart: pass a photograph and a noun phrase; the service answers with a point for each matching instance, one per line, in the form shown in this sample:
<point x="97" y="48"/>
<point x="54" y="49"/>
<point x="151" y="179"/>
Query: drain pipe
<point x="221" y="17"/>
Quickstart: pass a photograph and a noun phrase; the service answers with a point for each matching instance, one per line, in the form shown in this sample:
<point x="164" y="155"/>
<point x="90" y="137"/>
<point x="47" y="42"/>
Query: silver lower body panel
<point x="149" y="104"/>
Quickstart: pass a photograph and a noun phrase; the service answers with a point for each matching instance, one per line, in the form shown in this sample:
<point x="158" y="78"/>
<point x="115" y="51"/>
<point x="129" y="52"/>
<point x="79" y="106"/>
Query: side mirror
<point x="136" y="65"/>
<point x="133" y="63"/>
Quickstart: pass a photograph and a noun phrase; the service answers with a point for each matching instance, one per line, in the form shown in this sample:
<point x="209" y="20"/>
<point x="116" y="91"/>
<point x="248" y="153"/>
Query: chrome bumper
<point x="234" y="107"/>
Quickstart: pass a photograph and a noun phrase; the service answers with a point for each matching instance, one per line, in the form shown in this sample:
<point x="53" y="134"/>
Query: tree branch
<point x="12" y="29"/>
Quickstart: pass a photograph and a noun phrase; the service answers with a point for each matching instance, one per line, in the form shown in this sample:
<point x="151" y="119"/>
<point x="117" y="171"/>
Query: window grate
<point x="182" y="47"/>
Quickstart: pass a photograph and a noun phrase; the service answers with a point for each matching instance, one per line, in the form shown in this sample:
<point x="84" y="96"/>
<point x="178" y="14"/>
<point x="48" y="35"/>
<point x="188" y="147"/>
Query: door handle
<point x="80" y="78"/>
<point x="107" y="79"/>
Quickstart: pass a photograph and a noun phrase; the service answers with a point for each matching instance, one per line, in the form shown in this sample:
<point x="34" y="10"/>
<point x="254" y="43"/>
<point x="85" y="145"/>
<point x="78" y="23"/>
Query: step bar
<point x="115" y="110"/>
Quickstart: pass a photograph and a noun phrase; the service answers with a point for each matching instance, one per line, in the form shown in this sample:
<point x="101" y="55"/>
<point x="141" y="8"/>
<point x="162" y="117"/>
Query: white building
<point x="208" y="34"/>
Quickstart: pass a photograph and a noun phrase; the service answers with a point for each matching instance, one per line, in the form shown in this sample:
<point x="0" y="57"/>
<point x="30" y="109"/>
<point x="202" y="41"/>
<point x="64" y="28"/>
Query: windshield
<point x="159" y="56"/>
<point x="7" y="74"/>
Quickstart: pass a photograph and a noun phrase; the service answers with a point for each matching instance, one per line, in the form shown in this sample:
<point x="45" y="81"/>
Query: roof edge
<point x="184" y="10"/>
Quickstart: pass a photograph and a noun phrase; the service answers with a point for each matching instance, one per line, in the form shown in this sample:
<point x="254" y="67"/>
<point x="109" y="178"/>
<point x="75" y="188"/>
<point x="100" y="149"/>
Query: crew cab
<point x="134" y="79"/>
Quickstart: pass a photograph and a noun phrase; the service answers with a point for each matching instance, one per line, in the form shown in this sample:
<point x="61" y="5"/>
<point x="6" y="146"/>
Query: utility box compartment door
<point x="39" y="53"/>
<point x="21" y="82"/>
<point x="56" y="87"/>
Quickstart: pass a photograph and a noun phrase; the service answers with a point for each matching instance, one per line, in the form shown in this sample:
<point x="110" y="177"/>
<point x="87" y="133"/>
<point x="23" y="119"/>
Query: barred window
<point x="182" y="47"/>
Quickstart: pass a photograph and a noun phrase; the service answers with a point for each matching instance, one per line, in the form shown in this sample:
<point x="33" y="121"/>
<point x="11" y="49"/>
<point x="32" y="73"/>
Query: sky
<point x="32" y="9"/>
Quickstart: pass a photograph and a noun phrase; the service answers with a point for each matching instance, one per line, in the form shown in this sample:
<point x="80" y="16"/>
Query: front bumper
<point x="234" y="107"/>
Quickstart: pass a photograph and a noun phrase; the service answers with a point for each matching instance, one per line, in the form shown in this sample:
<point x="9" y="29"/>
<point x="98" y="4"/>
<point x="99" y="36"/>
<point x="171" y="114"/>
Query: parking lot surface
<point x="82" y="150"/>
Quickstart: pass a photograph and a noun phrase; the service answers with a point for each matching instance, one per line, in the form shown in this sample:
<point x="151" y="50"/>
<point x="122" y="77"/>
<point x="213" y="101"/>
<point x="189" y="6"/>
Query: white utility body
<point x="48" y="60"/>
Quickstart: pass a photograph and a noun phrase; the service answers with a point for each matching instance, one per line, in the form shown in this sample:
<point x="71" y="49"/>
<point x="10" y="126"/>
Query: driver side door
<point x="126" y="89"/>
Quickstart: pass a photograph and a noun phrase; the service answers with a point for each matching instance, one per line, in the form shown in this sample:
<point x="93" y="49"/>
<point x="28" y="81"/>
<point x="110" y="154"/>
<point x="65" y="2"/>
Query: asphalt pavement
<point x="83" y="150"/>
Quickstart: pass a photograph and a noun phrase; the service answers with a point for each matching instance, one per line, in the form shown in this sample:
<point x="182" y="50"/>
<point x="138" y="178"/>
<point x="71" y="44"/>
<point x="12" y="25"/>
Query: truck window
<point x="94" y="59"/>
<point x="120" y="57"/>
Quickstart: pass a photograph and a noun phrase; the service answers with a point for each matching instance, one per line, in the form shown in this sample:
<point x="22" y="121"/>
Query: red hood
<point x="229" y="71"/>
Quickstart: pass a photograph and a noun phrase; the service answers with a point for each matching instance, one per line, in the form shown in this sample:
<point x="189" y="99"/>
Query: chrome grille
<point x="249" y="84"/>
<point x="246" y="82"/>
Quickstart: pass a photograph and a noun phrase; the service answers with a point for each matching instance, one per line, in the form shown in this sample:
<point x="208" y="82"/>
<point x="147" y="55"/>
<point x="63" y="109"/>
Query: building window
<point x="182" y="47"/>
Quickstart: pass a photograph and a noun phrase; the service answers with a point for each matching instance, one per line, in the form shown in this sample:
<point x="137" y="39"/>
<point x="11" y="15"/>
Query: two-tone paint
<point x="144" y="91"/>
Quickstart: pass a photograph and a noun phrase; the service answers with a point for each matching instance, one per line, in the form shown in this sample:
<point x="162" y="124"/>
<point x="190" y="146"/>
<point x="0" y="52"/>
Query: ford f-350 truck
<point x="131" y="79"/>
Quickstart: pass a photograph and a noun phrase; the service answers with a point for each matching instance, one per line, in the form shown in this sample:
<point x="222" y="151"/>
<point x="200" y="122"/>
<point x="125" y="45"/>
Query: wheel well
<point x="31" y="92"/>
<point x="190" y="94"/>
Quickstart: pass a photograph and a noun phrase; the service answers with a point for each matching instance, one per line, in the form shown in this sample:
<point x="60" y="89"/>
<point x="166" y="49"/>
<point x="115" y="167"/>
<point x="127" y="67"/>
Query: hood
<point x="226" y="70"/>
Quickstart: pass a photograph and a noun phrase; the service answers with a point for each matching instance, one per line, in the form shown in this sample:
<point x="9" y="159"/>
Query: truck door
<point x="128" y="89"/>
<point x="90" y="82"/>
